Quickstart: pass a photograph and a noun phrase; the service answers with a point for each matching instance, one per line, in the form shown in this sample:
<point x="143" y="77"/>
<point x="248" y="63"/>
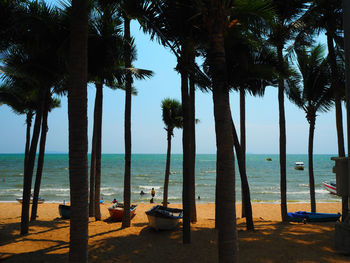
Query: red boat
<point x="331" y="187"/>
<point x="116" y="211"/>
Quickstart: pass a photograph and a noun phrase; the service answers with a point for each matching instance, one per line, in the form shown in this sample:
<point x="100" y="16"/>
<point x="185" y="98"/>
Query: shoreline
<point x="272" y="240"/>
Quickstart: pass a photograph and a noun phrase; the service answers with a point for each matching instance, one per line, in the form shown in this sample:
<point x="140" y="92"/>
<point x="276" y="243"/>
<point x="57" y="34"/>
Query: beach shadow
<point x="155" y="246"/>
<point x="11" y="232"/>
<point x="288" y="242"/>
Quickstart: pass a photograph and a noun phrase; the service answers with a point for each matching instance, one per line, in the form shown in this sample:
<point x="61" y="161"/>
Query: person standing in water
<point x="153" y="192"/>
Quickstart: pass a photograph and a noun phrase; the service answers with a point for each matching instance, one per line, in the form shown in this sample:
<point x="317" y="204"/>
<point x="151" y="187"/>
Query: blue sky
<point x="148" y="134"/>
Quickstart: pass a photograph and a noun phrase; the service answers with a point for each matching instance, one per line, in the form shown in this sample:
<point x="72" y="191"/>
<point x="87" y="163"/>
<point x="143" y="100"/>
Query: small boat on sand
<point x="64" y="211"/>
<point x="116" y="211"/>
<point x="164" y="218"/>
<point x="302" y="216"/>
<point x="40" y="200"/>
<point x="331" y="187"/>
<point x="299" y="166"/>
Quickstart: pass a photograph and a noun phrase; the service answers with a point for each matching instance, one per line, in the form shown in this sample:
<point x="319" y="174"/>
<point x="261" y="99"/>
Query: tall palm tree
<point x="315" y="95"/>
<point x="35" y="61"/>
<point x="327" y="16"/>
<point x="250" y="70"/>
<point x="105" y="44"/>
<point x="215" y="23"/>
<point x="173" y="23"/>
<point x="172" y="118"/>
<point x="284" y="29"/>
<point x="78" y="141"/>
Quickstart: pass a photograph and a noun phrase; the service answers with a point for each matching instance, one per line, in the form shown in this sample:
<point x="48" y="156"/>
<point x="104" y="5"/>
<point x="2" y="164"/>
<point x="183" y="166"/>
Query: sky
<point x="148" y="134"/>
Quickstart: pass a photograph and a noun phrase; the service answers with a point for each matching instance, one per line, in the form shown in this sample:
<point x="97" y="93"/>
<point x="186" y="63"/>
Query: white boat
<point x="40" y="200"/>
<point x="299" y="166"/>
<point x="164" y="218"/>
<point x="331" y="187"/>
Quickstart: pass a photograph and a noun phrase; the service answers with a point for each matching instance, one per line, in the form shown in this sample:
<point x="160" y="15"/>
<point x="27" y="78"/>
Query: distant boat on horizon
<point x="299" y="166"/>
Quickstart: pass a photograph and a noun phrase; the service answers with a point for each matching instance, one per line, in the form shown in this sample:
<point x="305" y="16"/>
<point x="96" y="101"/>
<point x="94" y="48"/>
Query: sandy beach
<point x="272" y="241"/>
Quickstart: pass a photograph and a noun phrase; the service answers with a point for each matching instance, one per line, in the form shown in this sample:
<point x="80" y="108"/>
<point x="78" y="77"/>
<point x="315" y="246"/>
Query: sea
<point x="147" y="172"/>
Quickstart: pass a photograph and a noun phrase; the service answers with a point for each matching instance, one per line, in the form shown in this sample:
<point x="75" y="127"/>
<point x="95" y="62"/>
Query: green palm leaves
<point x="315" y="94"/>
<point x="172" y="114"/>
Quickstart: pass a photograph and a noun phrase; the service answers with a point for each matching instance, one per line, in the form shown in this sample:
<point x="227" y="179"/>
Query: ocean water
<point x="148" y="171"/>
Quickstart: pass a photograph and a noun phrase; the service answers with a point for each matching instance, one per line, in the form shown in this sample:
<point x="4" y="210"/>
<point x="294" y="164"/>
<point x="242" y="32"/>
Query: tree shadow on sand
<point x="270" y="242"/>
<point x="289" y="242"/>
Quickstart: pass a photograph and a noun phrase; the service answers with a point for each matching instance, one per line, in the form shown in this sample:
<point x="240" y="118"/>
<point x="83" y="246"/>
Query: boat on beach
<point x="299" y="166"/>
<point x="116" y="211"/>
<point x="302" y="216"/>
<point x="331" y="187"/>
<point x="164" y="218"/>
<point x="40" y="200"/>
<point x="64" y="211"/>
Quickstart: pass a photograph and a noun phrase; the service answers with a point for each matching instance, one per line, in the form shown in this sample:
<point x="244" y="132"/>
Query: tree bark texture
<point x="311" y="167"/>
<point x="243" y="144"/>
<point x="225" y="172"/>
<point x="244" y="181"/>
<point x="28" y="173"/>
<point x="193" y="151"/>
<point x="127" y="126"/>
<point x="282" y="146"/>
<point x="186" y="200"/>
<point x="39" y="169"/>
<point x="99" y="100"/>
<point x="29" y="126"/>
<point x="93" y="164"/>
<point x="78" y="139"/>
<point x="167" y="168"/>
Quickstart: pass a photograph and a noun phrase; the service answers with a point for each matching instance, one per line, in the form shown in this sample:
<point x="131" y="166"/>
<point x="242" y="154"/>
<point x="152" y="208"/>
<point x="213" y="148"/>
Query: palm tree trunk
<point x="167" y="168"/>
<point x="39" y="169"/>
<point x="244" y="181"/>
<point x="283" y="153"/>
<point x="127" y="126"/>
<point x="243" y="147"/>
<point x="93" y="163"/>
<point x="225" y="172"/>
<point x="28" y="174"/>
<point x="78" y="139"/>
<point x="99" y="100"/>
<point x="338" y="110"/>
<point x="29" y="125"/>
<point x="311" y="167"/>
<point x="92" y="175"/>
<point x="186" y="200"/>
<point x="193" y="151"/>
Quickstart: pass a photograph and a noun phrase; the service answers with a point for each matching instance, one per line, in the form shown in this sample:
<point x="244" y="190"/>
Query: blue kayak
<point x="302" y="216"/>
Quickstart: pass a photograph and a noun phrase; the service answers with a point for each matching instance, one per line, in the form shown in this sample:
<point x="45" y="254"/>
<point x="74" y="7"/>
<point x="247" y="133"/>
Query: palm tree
<point x="48" y="106"/>
<point x="78" y="141"/>
<point x="172" y="118"/>
<point x="104" y="54"/>
<point x="173" y="23"/>
<point x="327" y="16"/>
<point x="314" y="96"/>
<point x="215" y="23"/>
<point x="283" y="30"/>
<point x="250" y="70"/>
<point x="33" y="62"/>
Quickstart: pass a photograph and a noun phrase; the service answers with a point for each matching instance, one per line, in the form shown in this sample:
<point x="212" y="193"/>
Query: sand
<point x="272" y="241"/>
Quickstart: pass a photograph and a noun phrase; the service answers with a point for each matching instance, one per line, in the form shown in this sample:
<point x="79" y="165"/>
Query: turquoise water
<point x="148" y="171"/>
